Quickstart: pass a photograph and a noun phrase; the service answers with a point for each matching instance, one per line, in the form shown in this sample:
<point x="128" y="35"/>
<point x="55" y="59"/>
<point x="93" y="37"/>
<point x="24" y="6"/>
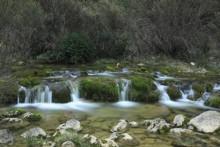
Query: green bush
<point x="199" y="89"/>
<point x="99" y="89"/>
<point x="29" y="81"/>
<point x="213" y="101"/>
<point x="174" y="92"/>
<point x="74" y="48"/>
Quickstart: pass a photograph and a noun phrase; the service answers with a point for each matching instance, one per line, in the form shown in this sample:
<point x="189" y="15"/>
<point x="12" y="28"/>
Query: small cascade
<point x="187" y="93"/>
<point x="204" y="98"/>
<point x="123" y="89"/>
<point x="39" y="94"/>
<point x="27" y="93"/>
<point x="74" y="88"/>
<point x="163" y="90"/>
<point x="160" y="77"/>
<point x="216" y="87"/>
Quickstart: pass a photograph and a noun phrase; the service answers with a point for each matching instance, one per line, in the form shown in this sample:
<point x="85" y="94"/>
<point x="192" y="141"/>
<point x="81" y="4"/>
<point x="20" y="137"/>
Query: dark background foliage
<point x="80" y="31"/>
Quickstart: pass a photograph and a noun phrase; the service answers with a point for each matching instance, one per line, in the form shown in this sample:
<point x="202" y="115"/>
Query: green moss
<point x="170" y="82"/>
<point x="153" y="97"/>
<point x="174" y="92"/>
<point x="30" y="81"/>
<point x="213" y="101"/>
<point x="199" y="89"/>
<point x="34" y="142"/>
<point x="99" y="89"/>
<point x="143" y="89"/>
<point x="61" y="92"/>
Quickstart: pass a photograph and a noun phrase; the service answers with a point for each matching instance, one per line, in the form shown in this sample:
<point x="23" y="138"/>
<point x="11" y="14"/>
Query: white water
<point x="161" y="77"/>
<point x="39" y="94"/>
<point x="74" y="88"/>
<point x="123" y="89"/>
<point x="216" y="87"/>
<point x="187" y="93"/>
<point x="184" y="101"/>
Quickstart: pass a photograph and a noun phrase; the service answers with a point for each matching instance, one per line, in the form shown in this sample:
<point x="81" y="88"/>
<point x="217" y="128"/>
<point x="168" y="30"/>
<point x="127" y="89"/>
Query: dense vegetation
<point x="80" y="31"/>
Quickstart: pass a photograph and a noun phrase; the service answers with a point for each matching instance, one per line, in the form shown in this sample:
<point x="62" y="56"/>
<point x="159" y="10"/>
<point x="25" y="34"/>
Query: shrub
<point x="29" y="81"/>
<point x="74" y="48"/>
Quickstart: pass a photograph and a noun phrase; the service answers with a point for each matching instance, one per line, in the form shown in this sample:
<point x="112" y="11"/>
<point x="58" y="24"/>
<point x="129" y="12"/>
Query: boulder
<point x="133" y="124"/>
<point x="34" y="132"/>
<point x="128" y="140"/>
<point x="13" y="123"/>
<point x="6" y="137"/>
<point x="68" y="144"/>
<point x="92" y="139"/>
<point x="121" y="126"/>
<point x="49" y="144"/>
<point x="179" y="131"/>
<point x="179" y="120"/>
<point x="156" y="125"/>
<point x="109" y="143"/>
<point x="114" y="136"/>
<point x="207" y="122"/>
<point x="69" y="125"/>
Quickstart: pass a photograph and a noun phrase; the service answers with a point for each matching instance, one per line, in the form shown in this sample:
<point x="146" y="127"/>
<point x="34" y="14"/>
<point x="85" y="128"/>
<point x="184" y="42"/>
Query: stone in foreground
<point x="156" y="125"/>
<point x="34" y="132"/>
<point x="70" y="124"/>
<point x="207" y="122"/>
<point x="121" y="126"/>
<point x="179" y="120"/>
<point x="6" y="137"/>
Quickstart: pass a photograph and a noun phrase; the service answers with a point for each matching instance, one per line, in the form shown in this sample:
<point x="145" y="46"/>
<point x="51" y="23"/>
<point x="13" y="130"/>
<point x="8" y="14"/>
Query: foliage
<point x="34" y="142"/>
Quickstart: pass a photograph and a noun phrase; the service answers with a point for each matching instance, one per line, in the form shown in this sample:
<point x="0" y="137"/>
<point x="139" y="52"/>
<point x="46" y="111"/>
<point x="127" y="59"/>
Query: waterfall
<point x="216" y="87"/>
<point x="123" y="89"/>
<point x="163" y="90"/>
<point x="27" y="93"/>
<point x="74" y="88"/>
<point x="186" y="93"/>
<point x="39" y="94"/>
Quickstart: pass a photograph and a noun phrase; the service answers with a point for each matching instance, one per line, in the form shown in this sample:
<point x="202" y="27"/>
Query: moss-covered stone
<point x="213" y="101"/>
<point x="99" y="89"/>
<point x="29" y="81"/>
<point x="33" y="117"/>
<point x="174" y="92"/>
<point x="61" y="92"/>
<point x="143" y="89"/>
<point x="199" y="89"/>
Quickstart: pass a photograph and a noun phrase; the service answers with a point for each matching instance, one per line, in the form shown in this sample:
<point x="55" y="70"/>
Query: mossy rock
<point x="199" y="89"/>
<point x="143" y="89"/>
<point x="29" y="81"/>
<point x="33" y="117"/>
<point x="170" y="82"/>
<point x="8" y="92"/>
<point x="174" y="92"/>
<point x="61" y="92"/>
<point x="213" y="101"/>
<point x="99" y="89"/>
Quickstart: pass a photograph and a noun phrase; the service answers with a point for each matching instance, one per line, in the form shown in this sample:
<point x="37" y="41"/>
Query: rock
<point x="68" y="144"/>
<point x="32" y="117"/>
<point x="92" y="139"/>
<point x="114" y="136"/>
<point x="133" y="124"/>
<point x="6" y="137"/>
<point x="121" y="126"/>
<point x="179" y="131"/>
<point x="109" y="143"/>
<point x="179" y="120"/>
<point x="13" y="123"/>
<point x="140" y="64"/>
<point x="11" y="120"/>
<point x="207" y="122"/>
<point x="34" y="132"/>
<point x="49" y="144"/>
<point x="27" y="115"/>
<point x="156" y="125"/>
<point x="13" y="113"/>
<point x="128" y="140"/>
<point x="126" y="137"/>
<point x="69" y="125"/>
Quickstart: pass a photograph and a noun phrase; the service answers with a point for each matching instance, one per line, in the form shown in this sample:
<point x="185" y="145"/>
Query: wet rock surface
<point x="207" y="122"/>
<point x="6" y="137"/>
<point x="34" y="132"/>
